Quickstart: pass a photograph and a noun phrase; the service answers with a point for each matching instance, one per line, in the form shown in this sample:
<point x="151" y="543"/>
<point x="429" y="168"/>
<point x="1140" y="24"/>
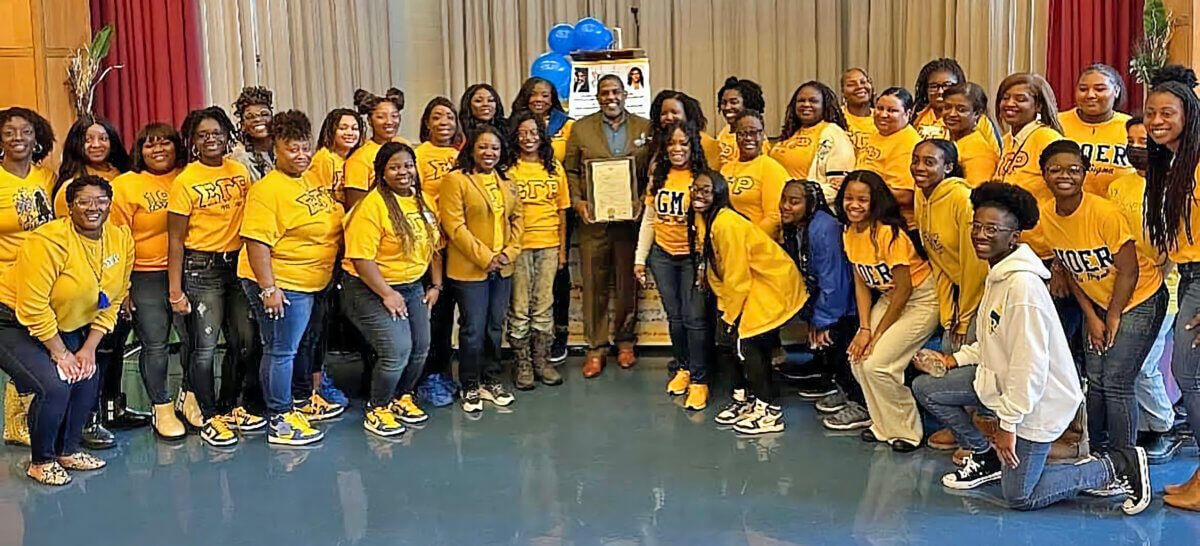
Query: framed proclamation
<point x="612" y="183"/>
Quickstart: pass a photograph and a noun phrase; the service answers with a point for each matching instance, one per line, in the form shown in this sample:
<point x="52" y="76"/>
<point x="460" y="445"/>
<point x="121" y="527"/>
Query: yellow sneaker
<point x="697" y="398"/>
<point x="317" y="408"/>
<point x="243" y="420"/>
<point x="381" y="421"/>
<point x="679" y="384"/>
<point x="292" y="429"/>
<point x="216" y="432"/>
<point x="407" y="410"/>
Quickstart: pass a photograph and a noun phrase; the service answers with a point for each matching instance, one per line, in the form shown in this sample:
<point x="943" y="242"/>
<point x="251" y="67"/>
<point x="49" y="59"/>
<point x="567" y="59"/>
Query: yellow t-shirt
<point x="360" y="167"/>
<point x="671" y="204"/>
<point x="214" y="199"/>
<point x="1103" y="144"/>
<point x="890" y="157"/>
<point x="727" y="142"/>
<point x="1019" y="159"/>
<point x="140" y="202"/>
<point x="1087" y="242"/>
<point x="328" y="171"/>
<point x="60" y="199"/>
<point x="859" y="128"/>
<point x="24" y="206"/>
<point x="797" y="152"/>
<point x="931" y="126"/>
<point x="56" y="282"/>
<point x="1128" y="194"/>
<point x="301" y="223"/>
<point x="371" y="236"/>
<point x="755" y="188"/>
<point x="491" y="183"/>
<point x="712" y="151"/>
<point x="978" y="157"/>
<point x="875" y="252"/>
<point x="433" y="162"/>
<point x="1184" y="251"/>
<point x="543" y="195"/>
<point x="559" y="141"/>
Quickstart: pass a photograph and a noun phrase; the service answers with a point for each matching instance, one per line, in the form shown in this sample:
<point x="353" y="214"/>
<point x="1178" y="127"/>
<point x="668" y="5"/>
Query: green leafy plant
<point x="1150" y="54"/>
<point x="85" y="70"/>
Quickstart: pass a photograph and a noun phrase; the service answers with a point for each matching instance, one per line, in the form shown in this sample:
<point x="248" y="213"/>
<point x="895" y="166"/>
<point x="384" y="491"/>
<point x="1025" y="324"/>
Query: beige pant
<point x="881" y="375"/>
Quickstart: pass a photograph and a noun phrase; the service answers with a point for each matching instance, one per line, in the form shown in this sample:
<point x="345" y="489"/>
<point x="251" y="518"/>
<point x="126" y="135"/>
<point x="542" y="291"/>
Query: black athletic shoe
<point x="977" y="469"/>
<point x="559" y="350"/>
<point x="1133" y="473"/>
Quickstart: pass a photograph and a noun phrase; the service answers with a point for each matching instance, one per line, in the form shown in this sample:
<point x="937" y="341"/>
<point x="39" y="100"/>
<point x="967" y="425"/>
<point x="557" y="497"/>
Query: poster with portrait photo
<point x="634" y="73"/>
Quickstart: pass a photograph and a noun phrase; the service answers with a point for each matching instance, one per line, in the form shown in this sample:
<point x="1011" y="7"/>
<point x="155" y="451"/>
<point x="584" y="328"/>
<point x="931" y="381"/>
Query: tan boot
<point x="1192" y="483"/>
<point x="1187" y="496"/>
<point x="191" y="410"/>
<point x="166" y="424"/>
<point x="16" y="415"/>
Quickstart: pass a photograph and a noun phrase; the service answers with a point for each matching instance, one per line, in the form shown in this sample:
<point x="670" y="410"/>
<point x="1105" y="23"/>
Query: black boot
<point x="95" y="436"/>
<point x="119" y="416"/>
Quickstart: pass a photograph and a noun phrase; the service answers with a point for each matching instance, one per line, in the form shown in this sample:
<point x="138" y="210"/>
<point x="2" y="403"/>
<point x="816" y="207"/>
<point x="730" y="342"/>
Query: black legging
<point x="562" y="284"/>
<point x="833" y="361"/>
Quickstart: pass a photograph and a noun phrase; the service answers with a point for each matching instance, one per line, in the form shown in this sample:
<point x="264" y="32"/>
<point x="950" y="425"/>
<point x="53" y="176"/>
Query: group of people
<point x="987" y="271"/>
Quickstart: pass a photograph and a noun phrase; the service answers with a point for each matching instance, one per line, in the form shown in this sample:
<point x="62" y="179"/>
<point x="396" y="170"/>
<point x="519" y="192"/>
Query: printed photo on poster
<point x="634" y="73"/>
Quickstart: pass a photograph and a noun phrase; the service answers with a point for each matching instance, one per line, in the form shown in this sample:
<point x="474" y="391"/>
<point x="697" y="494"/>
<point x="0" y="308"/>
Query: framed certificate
<point x="612" y="194"/>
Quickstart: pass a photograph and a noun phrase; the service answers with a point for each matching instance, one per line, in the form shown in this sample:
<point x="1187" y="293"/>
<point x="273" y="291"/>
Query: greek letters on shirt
<point x="222" y="192"/>
<point x="1013" y="161"/>
<point x="878" y="276"/>
<point x="858" y="138"/>
<point x="798" y="142"/>
<point x="740" y="184"/>
<point x="932" y="242"/>
<point x="1105" y="158"/>
<point x="440" y="167"/>
<point x="33" y="208"/>
<point x="1091" y="265"/>
<point x="872" y="153"/>
<point x="156" y="200"/>
<point x="669" y="207"/>
<point x="316" y="200"/>
<point x="533" y="190"/>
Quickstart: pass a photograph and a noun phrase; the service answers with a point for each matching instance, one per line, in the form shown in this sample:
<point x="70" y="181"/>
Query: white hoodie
<point x="1026" y="374"/>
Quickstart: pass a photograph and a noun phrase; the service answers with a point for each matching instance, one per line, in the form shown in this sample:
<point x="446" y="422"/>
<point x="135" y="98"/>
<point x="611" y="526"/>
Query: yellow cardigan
<point x="758" y="283"/>
<point x="467" y="219"/>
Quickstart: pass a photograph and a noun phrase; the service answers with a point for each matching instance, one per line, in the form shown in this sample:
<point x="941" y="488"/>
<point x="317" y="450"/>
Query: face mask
<point x="1139" y="157"/>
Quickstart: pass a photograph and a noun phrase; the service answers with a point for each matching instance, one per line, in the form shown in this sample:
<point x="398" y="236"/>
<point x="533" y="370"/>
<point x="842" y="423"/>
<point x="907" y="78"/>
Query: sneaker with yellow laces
<point x="240" y="419"/>
<point x="292" y="429"/>
<point x="679" y="384"/>
<point x="380" y="421"/>
<point x="217" y="432"/>
<point x="697" y="398"/>
<point x="406" y="409"/>
<point x="317" y="408"/>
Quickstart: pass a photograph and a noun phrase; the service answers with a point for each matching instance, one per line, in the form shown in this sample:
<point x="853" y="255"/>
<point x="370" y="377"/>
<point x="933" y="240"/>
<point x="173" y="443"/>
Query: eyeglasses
<point x="1074" y="170"/>
<point x="749" y="134"/>
<point x="940" y="86"/>
<point x="989" y="230"/>
<point x="101" y="202"/>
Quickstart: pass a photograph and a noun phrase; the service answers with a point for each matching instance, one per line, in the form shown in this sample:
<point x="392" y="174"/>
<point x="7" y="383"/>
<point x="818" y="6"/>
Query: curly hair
<point x="545" y="150"/>
<point x="366" y="102"/>
<point x="74" y="158"/>
<point x="662" y="165"/>
<point x="399" y="220"/>
<point x="426" y="134"/>
<point x="192" y="122"/>
<point x="752" y="93"/>
<point x="84" y="181"/>
<point x="329" y="128"/>
<point x="1043" y="95"/>
<point x="526" y="91"/>
<point x="1114" y="80"/>
<point x="467" y="120"/>
<point x="157" y="131"/>
<point x="921" y="90"/>
<point x="466" y="159"/>
<point x="830" y="112"/>
<point x="253" y="96"/>
<point x="1010" y="198"/>
<point x="949" y="155"/>
<point x="43" y="132"/>
<point x="291" y="125"/>
<point x="1170" y="177"/>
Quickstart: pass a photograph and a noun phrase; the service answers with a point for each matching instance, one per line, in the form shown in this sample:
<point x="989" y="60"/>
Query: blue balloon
<point x="561" y="38"/>
<point x="555" y="68"/>
<point x="608" y="38"/>
<point x="590" y="35"/>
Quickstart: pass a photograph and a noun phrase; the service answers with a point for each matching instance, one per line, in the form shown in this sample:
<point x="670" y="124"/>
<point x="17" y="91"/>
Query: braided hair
<point x="720" y="200"/>
<point x="796" y="240"/>
<point x="1170" y="178"/>
<point x="830" y="112"/>
<point x="399" y="220"/>
<point x="330" y="126"/>
<point x="943" y="64"/>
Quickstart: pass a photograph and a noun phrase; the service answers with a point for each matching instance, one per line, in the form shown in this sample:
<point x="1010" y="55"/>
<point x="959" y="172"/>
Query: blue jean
<point x="282" y="340"/>
<point x="483" y="306"/>
<point x="152" y="322"/>
<point x="1112" y="409"/>
<point x="1032" y="484"/>
<point x="218" y="305"/>
<point x="1185" y="360"/>
<point x="59" y="409"/>
<point x="686" y="310"/>
<point x="401" y="345"/>
<point x="1157" y="413"/>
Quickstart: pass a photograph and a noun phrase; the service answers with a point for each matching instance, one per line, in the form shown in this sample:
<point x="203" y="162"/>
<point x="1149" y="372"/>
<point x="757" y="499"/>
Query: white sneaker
<point x="764" y="419"/>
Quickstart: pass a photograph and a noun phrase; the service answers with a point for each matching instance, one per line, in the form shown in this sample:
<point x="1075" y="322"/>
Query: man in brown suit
<point x="606" y="248"/>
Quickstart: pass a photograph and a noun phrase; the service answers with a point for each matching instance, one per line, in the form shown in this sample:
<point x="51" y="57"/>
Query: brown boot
<point x="1191" y="484"/>
<point x="1188" y="496"/>
<point x="540" y="348"/>
<point x="942" y="440"/>
<point x="522" y="363"/>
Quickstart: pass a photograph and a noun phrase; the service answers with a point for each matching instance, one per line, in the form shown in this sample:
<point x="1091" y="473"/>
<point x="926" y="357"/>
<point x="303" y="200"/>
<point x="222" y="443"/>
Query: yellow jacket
<point x="758" y="282"/>
<point x="53" y="285"/>
<point x="944" y="220"/>
<point x="467" y="219"/>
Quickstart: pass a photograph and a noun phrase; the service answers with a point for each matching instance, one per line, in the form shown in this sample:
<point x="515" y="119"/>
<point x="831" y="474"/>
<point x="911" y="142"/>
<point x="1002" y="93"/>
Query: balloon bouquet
<point x="589" y="34"/>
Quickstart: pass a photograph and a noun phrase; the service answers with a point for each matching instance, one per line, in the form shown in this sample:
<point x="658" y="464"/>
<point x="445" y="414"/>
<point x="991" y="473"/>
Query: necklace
<point x="102" y="299"/>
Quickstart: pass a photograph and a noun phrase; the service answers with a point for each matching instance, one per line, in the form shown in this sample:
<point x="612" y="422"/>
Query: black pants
<point x="110" y="360"/>
<point x="441" y="326"/>
<point x="562" y="284"/>
<point x="752" y="361"/>
<point x="833" y="361"/>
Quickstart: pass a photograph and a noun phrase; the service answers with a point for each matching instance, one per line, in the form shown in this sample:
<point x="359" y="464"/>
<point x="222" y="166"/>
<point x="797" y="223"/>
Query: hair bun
<point x="360" y="99"/>
<point x="395" y="95"/>
<point x="1175" y="73"/>
<point x="731" y="81"/>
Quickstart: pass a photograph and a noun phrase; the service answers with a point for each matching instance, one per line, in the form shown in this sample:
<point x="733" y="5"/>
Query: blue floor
<point x="611" y="460"/>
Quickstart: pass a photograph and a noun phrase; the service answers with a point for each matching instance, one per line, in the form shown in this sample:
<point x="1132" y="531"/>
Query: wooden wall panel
<point x="16" y="24"/>
<point x="67" y="24"/>
<point x="18" y="91"/>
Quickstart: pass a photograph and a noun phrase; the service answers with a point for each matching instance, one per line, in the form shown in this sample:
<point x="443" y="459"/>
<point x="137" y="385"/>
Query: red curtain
<point x="158" y="43"/>
<point x="1082" y="32"/>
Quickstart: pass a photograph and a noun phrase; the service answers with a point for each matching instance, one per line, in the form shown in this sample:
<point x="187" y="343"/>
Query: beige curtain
<point x="694" y="44"/>
<point x="312" y="53"/>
